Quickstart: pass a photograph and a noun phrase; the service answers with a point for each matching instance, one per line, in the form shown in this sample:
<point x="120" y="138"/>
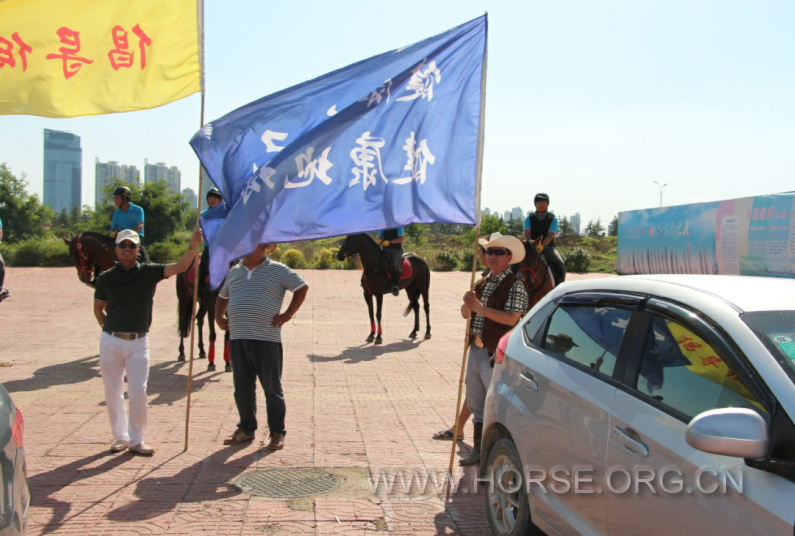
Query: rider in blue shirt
<point x="128" y="215"/>
<point x="214" y="198"/>
<point x="391" y="243"/>
<point x="544" y="224"/>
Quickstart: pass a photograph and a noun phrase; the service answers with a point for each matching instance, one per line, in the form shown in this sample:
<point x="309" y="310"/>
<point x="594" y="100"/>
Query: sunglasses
<point x="127" y="245"/>
<point x="497" y="252"/>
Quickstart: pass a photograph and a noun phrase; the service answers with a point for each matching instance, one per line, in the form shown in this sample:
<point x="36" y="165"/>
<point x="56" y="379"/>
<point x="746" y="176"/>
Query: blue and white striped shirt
<point x="255" y="297"/>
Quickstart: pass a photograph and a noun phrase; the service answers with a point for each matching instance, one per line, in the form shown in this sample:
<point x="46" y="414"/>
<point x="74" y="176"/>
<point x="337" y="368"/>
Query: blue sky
<point x="590" y="101"/>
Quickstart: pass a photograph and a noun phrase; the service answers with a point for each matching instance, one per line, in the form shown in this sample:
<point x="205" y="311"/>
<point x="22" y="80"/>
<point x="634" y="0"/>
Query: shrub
<point x="446" y="260"/>
<point x="324" y="259"/>
<point x="41" y="252"/>
<point x="466" y="261"/>
<point x="165" y="252"/>
<point x="293" y="258"/>
<point x="276" y="254"/>
<point x="577" y="259"/>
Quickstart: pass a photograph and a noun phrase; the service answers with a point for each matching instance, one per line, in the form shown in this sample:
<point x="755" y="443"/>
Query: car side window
<point x="683" y="371"/>
<point x="588" y="335"/>
<point x="532" y="326"/>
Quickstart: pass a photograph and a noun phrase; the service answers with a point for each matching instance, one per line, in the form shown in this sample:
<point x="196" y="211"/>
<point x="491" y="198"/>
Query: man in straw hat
<point x="249" y="306"/>
<point x="123" y="308"/>
<point x="498" y="301"/>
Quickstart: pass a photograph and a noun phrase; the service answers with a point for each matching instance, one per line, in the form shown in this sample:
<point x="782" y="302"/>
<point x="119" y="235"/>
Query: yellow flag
<point x="65" y="58"/>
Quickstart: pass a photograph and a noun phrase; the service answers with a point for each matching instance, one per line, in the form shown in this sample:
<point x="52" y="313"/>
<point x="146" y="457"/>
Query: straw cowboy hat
<point x="511" y="243"/>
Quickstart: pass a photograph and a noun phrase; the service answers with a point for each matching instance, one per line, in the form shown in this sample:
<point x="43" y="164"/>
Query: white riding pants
<point x="117" y="356"/>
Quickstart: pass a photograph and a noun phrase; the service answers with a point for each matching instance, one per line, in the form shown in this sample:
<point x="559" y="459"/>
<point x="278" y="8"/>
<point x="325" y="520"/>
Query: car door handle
<point x="632" y="445"/>
<point x="530" y="382"/>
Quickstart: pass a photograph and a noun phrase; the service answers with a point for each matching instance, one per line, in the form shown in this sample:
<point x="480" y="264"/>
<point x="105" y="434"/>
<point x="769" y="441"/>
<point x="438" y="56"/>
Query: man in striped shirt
<point x="249" y="306"/>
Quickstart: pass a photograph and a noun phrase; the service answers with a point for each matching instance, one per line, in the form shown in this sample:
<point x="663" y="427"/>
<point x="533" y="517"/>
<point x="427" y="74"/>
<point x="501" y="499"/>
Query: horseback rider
<point x="544" y="224"/>
<point x="128" y="215"/>
<point x="391" y="244"/>
<point x="214" y="198"/>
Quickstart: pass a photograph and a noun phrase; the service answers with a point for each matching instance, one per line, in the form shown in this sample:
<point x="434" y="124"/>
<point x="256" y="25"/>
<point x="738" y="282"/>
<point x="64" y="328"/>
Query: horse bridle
<point x="84" y="264"/>
<point x="540" y="260"/>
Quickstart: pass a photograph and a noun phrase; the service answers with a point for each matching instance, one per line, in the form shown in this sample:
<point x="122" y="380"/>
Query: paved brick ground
<point x="351" y="407"/>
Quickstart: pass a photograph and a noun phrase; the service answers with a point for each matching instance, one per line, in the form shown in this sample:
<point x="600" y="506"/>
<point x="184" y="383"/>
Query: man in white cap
<point x="123" y="307"/>
<point x="498" y="302"/>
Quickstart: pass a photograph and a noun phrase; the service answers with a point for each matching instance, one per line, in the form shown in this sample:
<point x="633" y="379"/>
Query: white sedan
<point x="646" y="405"/>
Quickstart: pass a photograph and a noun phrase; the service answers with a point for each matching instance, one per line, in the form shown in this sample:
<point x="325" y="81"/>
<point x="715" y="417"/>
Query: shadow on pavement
<point x="367" y="352"/>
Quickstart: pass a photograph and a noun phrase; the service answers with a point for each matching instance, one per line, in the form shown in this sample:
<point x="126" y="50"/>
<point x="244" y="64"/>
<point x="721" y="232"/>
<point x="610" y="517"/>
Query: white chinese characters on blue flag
<point x="382" y="143"/>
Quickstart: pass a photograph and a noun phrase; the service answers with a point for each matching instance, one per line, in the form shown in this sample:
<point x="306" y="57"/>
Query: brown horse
<point x="536" y="273"/>
<point x="376" y="282"/>
<point x="206" y="301"/>
<point x="92" y="253"/>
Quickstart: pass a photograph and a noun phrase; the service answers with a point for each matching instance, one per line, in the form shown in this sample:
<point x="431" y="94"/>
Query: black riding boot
<point x="474" y="456"/>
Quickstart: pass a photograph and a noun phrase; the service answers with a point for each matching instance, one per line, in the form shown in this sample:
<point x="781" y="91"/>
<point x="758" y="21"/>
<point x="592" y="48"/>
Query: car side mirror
<point x="737" y="432"/>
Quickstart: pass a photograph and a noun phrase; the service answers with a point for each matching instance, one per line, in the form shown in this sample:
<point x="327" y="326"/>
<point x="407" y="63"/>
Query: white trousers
<point x="117" y="356"/>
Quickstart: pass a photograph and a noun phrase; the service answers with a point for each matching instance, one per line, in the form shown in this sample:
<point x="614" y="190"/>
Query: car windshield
<point x="776" y="330"/>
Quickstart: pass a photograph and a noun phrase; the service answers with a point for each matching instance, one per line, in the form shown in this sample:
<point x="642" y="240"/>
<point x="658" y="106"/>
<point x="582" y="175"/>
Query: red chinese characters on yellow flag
<point x="83" y="57"/>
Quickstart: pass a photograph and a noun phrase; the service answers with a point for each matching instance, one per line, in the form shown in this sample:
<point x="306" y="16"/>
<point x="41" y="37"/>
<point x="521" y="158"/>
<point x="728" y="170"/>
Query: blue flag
<point x="379" y="144"/>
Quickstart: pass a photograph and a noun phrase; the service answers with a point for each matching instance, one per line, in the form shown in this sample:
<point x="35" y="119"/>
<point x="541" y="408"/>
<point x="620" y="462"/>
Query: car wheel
<point x="507" y="508"/>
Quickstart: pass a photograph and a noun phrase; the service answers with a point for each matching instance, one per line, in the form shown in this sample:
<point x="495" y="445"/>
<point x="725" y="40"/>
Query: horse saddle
<point x="192" y="274"/>
<point x="405" y="267"/>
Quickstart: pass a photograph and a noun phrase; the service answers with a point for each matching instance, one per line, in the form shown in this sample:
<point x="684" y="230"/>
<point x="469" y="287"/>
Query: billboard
<point x="748" y="236"/>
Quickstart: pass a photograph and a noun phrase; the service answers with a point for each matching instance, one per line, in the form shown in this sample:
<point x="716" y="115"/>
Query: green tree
<point x="594" y="229"/>
<point x="415" y="232"/>
<point x="164" y="211"/>
<point x="23" y="214"/>
<point x="492" y="224"/>
<point x="564" y="226"/>
<point x="515" y="227"/>
<point x="612" y="228"/>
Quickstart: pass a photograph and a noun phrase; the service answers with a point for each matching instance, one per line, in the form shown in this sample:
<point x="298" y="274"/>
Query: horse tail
<point x="414" y="298"/>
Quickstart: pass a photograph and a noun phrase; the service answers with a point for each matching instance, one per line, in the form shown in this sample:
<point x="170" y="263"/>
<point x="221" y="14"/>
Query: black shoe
<point x="228" y="367"/>
<point x="211" y="367"/>
<point x="4" y="293"/>
<point x="396" y="291"/>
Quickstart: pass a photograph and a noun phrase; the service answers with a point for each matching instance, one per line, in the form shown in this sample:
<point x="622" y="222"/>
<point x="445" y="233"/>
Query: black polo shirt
<point x="129" y="294"/>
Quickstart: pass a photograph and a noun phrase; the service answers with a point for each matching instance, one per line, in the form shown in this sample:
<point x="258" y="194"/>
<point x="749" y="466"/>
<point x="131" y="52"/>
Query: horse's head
<point x="90" y="251"/>
<point x="347" y="249"/>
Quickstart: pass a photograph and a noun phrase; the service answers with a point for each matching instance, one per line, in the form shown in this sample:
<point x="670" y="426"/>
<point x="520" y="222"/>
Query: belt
<point x="126" y="335"/>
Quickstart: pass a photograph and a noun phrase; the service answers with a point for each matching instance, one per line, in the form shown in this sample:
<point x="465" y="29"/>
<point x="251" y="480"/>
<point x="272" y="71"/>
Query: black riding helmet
<point x="541" y="197"/>
<point x="215" y="193"/>
<point x="123" y="191"/>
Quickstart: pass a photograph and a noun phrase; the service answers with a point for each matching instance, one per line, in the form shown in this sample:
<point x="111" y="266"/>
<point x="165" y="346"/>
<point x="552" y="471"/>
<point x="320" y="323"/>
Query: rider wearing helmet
<point x="128" y="215"/>
<point x="214" y="198"/>
<point x="544" y="224"/>
<point x="391" y="241"/>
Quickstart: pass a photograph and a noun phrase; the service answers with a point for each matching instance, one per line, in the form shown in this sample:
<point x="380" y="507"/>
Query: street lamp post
<point x="661" y="189"/>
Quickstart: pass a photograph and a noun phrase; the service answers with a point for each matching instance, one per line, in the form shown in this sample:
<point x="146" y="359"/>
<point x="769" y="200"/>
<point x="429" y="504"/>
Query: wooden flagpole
<point x="197" y="256"/>
<point x="481" y="136"/>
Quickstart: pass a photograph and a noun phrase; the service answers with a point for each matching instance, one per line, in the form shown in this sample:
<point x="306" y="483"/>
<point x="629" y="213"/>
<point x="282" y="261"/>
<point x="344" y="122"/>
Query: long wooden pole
<point x="197" y="257"/>
<point x="481" y="137"/>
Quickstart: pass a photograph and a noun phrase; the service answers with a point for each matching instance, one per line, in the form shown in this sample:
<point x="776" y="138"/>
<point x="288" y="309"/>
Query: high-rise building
<point x="160" y="171"/>
<point x="63" y="170"/>
<point x="487" y="211"/>
<point x="506" y="215"/>
<point x="190" y="197"/>
<point x="105" y="172"/>
<point x="131" y="175"/>
<point x="517" y="214"/>
<point x="575" y="223"/>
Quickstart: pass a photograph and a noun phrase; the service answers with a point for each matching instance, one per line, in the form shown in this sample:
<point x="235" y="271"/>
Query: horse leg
<point x="228" y="367"/>
<point x="379" y="301"/>
<point x="181" y="348"/>
<point x="368" y="298"/>
<point x="413" y="294"/>
<point x="425" y="290"/>
<point x="211" y="352"/>
<point x="199" y="328"/>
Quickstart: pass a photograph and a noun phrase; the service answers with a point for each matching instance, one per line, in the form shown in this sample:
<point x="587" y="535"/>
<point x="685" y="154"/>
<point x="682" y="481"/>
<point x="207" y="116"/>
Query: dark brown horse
<point x="536" y="273"/>
<point x="206" y="301"/>
<point x="92" y="253"/>
<point x="376" y="282"/>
